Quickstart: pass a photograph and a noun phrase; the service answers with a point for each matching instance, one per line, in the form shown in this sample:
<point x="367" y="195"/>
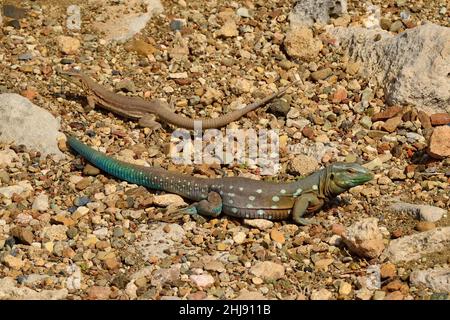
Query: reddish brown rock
<point x="387" y="270"/>
<point x="23" y="235"/>
<point x="98" y="293"/>
<point x="30" y="94"/>
<point x="339" y="95"/>
<point x="439" y="146"/>
<point x="396" y="285"/>
<point x="396" y="295"/>
<point x="308" y="132"/>
<point x="338" y="229"/>
<point x="397" y="233"/>
<point x="425" y="226"/>
<point x="386" y="114"/>
<point x="439" y="119"/>
<point x="68" y="253"/>
<point x="111" y="263"/>
<point x="277" y="236"/>
<point x="410" y="169"/>
<point x="199" y="295"/>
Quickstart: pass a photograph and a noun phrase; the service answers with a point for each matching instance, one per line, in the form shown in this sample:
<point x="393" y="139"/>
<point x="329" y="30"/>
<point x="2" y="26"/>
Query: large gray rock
<point x="419" y="211"/>
<point x="415" y="246"/>
<point x="412" y="67"/>
<point x="124" y="20"/>
<point x="436" y="279"/>
<point x="159" y="238"/>
<point x="24" y="123"/>
<point x="307" y="12"/>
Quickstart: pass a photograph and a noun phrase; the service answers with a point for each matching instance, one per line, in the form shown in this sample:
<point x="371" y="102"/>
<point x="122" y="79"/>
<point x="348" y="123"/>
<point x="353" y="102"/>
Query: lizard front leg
<point x="212" y="207"/>
<point x="91" y="104"/>
<point x="301" y="205"/>
<point x="147" y="121"/>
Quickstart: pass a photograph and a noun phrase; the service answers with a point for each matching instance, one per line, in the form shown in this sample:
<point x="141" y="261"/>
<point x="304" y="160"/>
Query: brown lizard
<point x="139" y="109"/>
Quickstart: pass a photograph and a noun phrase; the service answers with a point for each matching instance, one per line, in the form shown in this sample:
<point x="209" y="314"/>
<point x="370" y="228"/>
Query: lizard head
<point x="343" y="176"/>
<point x="74" y="76"/>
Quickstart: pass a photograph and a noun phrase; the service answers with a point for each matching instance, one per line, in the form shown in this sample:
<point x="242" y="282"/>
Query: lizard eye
<point x="332" y="176"/>
<point x="351" y="170"/>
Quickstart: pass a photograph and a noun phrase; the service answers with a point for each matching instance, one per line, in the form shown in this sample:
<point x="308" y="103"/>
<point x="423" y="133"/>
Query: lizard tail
<point x="120" y="169"/>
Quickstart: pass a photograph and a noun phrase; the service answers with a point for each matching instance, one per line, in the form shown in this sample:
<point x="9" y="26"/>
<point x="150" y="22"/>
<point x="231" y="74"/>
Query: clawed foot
<point x="192" y="211"/>
<point x="148" y="122"/>
<point x="306" y="222"/>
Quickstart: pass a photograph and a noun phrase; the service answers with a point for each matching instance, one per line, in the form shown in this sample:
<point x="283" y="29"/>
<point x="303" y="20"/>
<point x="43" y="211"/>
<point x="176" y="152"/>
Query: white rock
<point x="419" y="211"/>
<point x="242" y="85"/>
<point x="364" y="238"/>
<point x="178" y="75"/>
<point x="127" y="19"/>
<point x="80" y="212"/>
<point x="7" y="157"/>
<point x="40" y="203"/>
<point x="268" y="270"/>
<point x="261" y="224"/>
<point x="436" y="279"/>
<point x="131" y="290"/>
<point x="239" y="237"/>
<point x="27" y="124"/>
<point x="322" y="294"/>
<point x="363" y="294"/>
<point x="411" y="67"/>
<point x="243" y="12"/>
<point x="110" y="189"/>
<point x="202" y="280"/>
<point x="166" y="200"/>
<point x="413" y="247"/>
<point x="101" y="233"/>
<point x="20" y="188"/>
<point x="73" y="282"/>
<point x="75" y="179"/>
<point x="335" y="240"/>
<point x="307" y="12"/>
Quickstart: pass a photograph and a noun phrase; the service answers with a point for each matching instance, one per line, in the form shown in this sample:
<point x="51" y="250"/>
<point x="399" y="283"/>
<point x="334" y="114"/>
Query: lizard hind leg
<point x="90" y="104"/>
<point x="301" y="206"/>
<point x="211" y="207"/>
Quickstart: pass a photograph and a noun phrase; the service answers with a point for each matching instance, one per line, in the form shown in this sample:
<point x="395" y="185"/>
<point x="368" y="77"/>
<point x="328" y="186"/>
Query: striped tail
<point x="119" y="169"/>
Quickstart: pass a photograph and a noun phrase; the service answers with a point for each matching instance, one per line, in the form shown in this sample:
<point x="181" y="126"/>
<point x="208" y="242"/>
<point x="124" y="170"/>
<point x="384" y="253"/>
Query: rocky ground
<point x="375" y="89"/>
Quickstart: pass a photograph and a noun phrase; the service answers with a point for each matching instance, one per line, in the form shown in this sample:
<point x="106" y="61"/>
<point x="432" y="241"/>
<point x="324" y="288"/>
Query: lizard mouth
<point x="363" y="178"/>
<point x="347" y="182"/>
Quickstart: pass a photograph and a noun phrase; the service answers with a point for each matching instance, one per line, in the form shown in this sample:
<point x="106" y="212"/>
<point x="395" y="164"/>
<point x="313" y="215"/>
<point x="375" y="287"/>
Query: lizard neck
<point x="309" y="184"/>
<point x="329" y="189"/>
